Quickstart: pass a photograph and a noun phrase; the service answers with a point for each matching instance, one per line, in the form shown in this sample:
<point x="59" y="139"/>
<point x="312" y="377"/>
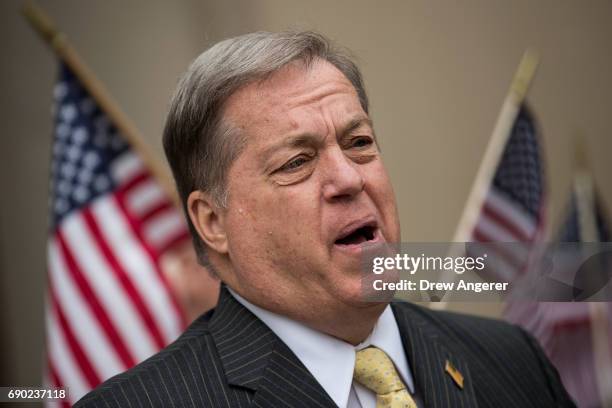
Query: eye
<point x="294" y="164"/>
<point x="359" y="142"/>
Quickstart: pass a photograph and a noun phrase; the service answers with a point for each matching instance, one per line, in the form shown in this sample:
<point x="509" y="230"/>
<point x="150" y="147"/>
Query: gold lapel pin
<point x="454" y="374"/>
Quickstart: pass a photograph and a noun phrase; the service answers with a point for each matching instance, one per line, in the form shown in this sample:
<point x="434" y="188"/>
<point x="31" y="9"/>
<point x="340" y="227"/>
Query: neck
<point x="352" y="326"/>
<point x="349" y="323"/>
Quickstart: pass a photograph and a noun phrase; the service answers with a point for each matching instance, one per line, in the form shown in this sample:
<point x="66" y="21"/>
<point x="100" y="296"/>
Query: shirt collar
<point x="329" y="360"/>
<point x="386" y="336"/>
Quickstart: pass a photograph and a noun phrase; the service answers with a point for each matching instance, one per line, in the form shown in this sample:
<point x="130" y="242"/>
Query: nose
<point x="342" y="177"/>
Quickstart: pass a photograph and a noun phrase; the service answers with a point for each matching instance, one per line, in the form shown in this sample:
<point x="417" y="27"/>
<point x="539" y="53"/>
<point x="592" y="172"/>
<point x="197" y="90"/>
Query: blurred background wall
<point x="436" y="71"/>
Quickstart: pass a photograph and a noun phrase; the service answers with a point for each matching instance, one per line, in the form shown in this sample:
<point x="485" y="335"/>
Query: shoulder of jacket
<point x="468" y="330"/>
<point x="112" y="390"/>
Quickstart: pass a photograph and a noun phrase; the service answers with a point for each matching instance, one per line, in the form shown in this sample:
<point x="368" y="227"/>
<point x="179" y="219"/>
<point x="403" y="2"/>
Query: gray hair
<point x="199" y="145"/>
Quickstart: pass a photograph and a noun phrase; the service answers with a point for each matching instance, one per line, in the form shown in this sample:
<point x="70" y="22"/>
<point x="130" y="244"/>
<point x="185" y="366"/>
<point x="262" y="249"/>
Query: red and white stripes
<point x="109" y="305"/>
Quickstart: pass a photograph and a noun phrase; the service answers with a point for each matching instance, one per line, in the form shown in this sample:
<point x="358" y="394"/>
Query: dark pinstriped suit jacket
<point x="230" y="358"/>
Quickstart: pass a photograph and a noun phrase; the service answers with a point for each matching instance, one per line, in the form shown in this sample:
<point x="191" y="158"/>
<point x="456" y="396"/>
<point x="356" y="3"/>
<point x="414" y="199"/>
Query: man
<point x="278" y="167"/>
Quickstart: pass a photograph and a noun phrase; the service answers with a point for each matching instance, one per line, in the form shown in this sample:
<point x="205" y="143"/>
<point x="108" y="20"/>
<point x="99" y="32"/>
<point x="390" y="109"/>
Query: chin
<point x="353" y="295"/>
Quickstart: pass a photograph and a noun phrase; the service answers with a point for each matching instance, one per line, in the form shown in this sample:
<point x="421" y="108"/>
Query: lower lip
<point x="356" y="249"/>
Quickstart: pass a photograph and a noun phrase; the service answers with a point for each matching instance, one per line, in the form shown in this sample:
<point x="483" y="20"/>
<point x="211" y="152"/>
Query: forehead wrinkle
<point x="276" y="91"/>
<point x="317" y="95"/>
<point x="320" y="121"/>
<point x="268" y="88"/>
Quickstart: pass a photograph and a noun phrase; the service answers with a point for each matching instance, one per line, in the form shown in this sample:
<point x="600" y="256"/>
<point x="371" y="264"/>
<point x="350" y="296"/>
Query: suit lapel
<point x="253" y="357"/>
<point x="287" y="383"/>
<point x="428" y="354"/>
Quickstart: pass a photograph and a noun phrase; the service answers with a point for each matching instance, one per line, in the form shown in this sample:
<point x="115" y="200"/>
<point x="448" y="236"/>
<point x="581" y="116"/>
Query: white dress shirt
<point x="331" y="361"/>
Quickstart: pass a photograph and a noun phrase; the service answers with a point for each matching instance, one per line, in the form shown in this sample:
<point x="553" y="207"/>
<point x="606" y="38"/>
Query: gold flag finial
<point x="43" y="24"/>
<point x="524" y="74"/>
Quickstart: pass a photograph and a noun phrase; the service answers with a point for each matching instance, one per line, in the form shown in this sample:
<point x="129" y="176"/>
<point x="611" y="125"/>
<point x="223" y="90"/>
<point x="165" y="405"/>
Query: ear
<point x="208" y="220"/>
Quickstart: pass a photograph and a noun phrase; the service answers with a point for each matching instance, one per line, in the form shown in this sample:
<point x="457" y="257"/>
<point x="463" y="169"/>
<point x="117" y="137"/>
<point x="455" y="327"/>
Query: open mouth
<point x="358" y="236"/>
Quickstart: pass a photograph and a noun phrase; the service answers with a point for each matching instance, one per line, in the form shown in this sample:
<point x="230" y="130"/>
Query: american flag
<point x="571" y="228"/>
<point x="513" y="210"/>
<point x="565" y="329"/>
<point x="108" y="304"/>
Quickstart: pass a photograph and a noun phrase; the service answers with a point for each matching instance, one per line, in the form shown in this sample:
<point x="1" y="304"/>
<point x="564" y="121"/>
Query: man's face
<point x="306" y="194"/>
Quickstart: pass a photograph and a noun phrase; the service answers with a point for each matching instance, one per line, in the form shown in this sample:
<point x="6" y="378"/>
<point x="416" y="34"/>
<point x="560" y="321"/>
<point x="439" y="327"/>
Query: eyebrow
<point x="310" y="139"/>
<point x="356" y="123"/>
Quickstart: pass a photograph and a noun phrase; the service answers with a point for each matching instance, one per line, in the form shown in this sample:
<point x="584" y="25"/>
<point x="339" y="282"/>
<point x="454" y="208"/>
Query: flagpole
<point x="495" y="148"/>
<point x="45" y="27"/>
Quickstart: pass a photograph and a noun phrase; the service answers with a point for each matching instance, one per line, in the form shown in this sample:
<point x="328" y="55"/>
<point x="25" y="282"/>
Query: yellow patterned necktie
<point x="375" y="371"/>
